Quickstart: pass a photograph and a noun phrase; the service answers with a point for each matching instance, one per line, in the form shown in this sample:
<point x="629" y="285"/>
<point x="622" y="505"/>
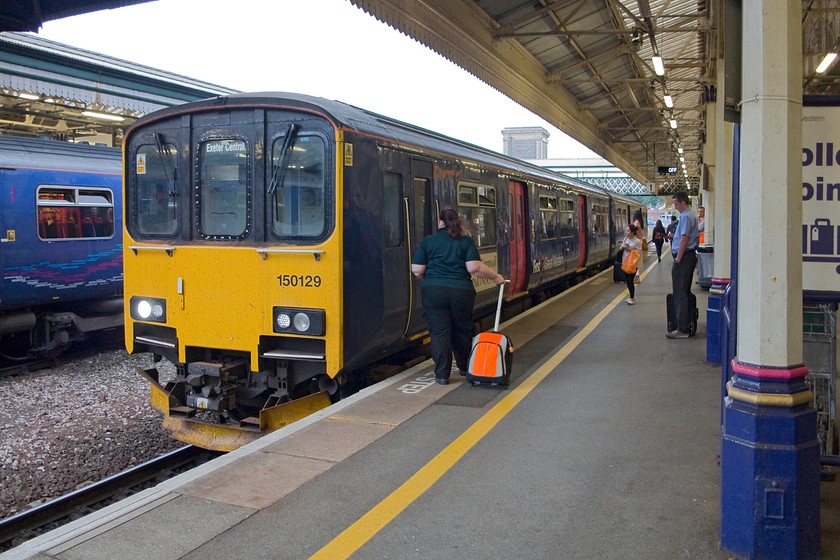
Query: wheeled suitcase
<point x="693" y="313"/>
<point x="618" y="274"/>
<point x="491" y="356"/>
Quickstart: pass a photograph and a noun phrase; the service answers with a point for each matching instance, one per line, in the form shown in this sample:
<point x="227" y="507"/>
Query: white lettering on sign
<point x="821" y="199"/>
<point x="225" y="146"/>
<point x="417" y="385"/>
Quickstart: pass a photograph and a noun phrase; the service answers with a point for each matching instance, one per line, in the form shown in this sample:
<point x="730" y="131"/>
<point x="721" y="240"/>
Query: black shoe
<point x="462" y="373"/>
<point x="442" y="380"/>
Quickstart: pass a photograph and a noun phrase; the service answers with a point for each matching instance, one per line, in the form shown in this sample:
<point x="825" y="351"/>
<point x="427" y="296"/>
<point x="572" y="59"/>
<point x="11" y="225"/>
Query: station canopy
<point x="589" y="67"/>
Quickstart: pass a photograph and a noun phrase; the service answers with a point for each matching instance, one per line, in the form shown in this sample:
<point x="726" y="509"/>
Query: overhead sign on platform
<point x="821" y="201"/>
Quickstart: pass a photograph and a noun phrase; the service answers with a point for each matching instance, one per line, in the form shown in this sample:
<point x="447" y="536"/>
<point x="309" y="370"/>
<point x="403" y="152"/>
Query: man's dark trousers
<point x="682" y="273"/>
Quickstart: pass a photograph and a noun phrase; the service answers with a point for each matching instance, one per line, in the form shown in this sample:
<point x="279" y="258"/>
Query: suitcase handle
<point x="499" y="305"/>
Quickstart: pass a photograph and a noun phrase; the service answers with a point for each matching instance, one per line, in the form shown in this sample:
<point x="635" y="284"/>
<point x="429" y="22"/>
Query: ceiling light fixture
<point x="673" y="123"/>
<point x="680" y="150"/>
<point x="103" y="116"/>
<point x="33" y="97"/>
<point x="826" y="62"/>
<point x="658" y="66"/>
<point x="669" y="101"/>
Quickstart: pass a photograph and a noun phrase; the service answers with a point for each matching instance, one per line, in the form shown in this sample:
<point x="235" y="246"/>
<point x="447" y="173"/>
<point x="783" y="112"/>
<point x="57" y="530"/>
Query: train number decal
<point x="299" y="281"/>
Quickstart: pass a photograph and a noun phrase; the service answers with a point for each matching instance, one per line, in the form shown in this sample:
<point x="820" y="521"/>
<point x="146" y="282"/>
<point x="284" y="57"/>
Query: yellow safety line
<point x="360" y="532"/>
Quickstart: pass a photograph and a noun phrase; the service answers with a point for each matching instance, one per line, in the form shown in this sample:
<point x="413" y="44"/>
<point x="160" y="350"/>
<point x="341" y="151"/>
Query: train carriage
<point x="268" y="239"/>
<point x="60" y="244"/>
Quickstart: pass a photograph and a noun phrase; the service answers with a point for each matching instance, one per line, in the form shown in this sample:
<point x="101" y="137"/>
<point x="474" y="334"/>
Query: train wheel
<point x="48" y="342"/>
<point x="15" y="347"/>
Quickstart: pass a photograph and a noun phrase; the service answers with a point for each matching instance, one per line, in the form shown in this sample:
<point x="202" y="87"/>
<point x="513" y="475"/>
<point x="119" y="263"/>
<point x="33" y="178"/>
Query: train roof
<point x="17" y="151"/>
<point x="369" y="122"/>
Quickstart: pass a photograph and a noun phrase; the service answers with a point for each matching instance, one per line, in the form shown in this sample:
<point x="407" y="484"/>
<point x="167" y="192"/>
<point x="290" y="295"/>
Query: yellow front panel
<point x="228" y="292"/>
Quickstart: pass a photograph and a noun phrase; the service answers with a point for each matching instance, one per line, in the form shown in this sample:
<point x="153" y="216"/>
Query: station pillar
<point x="770" y="507"/>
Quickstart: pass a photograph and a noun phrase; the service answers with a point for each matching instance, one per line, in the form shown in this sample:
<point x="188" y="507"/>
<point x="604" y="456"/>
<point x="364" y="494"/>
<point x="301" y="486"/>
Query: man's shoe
<point x="631" y="301"/>
<point x="442" y="381"/>
<point x="677" y="334"/>
<point x="462" y="373"/>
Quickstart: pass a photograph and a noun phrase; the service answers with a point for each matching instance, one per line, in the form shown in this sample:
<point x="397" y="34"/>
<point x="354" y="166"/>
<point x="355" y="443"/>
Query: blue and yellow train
<point x="268" y="239"/>
<point x="60" y="245"/>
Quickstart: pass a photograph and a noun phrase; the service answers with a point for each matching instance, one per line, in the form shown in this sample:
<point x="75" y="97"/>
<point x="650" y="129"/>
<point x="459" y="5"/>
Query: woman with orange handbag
<point x="630" y="245"/>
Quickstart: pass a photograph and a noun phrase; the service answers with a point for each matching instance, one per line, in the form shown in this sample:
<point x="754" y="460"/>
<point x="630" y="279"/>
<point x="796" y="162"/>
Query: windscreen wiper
<point x="278" y="172"/>
<point x="167" y="162"/>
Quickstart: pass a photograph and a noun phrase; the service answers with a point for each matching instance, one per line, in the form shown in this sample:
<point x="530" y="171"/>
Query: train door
<point x="407" y="217"/>
<point x="583" y="231"/>
<point x="517" y="238"/>
<point x="422" y="222"/>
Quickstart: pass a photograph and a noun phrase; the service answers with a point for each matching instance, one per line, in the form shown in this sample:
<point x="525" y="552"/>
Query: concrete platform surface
<point x="605" y="446"/>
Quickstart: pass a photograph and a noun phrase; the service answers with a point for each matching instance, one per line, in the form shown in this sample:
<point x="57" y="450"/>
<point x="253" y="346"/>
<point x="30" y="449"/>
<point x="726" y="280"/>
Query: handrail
<point x="315" y="252"/>
<point x="135" y="248"/>
<point x="410" y="275"/>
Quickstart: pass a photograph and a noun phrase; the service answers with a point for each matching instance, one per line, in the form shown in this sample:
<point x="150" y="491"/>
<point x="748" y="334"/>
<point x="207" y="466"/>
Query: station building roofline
<point x="32" y="63"/>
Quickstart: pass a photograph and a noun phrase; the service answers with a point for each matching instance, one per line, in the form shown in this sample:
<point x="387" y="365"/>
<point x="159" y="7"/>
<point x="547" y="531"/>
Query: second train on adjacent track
<point x="268" y="239"/>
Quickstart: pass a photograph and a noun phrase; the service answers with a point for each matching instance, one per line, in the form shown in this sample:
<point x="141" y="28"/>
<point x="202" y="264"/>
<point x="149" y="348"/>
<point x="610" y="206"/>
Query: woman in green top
<point x="445" y="262"/>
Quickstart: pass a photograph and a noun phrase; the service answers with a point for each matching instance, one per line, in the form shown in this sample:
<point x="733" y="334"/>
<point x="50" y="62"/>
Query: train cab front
<point x="233" y="268"/>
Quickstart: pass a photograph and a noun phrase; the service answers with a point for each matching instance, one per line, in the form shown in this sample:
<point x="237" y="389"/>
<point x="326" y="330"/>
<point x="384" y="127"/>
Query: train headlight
<point x="299" y="321"/>
<point x="283" y="320"/>
<point x="148" y="309"/>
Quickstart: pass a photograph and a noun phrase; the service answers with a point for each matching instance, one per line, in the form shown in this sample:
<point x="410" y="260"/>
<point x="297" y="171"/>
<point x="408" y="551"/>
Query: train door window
<point x="599" y="222"/>
<point x="392" y="209"/>
<point x="548" y="216"/>
<point x="421" y="208"/>
<point x="72" y="212"/>
<point x="298" y="183"/>
<point x="224" y="190"/>
<point x="566" y="219"/>
<point x="477" y="207"/>
<point x="155" y="200"/>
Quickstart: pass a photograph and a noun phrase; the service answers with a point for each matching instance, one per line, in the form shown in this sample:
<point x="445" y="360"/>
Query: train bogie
<point x="268" y="240"/>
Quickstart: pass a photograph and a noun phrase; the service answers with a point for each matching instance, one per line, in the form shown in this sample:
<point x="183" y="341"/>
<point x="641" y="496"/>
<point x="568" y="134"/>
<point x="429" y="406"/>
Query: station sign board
<point x="821" y="198"/>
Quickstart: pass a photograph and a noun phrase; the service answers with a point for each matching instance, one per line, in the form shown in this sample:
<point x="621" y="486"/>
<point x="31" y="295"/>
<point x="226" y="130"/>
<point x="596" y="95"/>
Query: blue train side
<point x="60" y="244"/>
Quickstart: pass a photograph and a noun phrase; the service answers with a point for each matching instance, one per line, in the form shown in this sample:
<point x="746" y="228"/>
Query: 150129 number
<point x="301" y="281"/>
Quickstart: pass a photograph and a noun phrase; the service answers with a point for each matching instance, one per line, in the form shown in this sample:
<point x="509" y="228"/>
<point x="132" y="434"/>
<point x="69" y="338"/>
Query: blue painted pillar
<point x="714" y="321"/>
<point x="770" y="455"/>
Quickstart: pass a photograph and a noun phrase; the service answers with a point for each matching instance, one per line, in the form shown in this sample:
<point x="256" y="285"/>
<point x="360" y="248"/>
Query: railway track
<point x="29" y="524"/>
<point x="100" y="343"/>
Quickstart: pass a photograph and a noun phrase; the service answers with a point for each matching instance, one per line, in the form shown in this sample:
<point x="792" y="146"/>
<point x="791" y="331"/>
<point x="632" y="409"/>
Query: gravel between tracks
<point x="74" y="424"/>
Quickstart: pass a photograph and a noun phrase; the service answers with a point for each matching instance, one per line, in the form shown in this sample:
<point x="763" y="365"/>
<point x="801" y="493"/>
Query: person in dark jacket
<point x="658" y="237"/>
<point x="445" y="262"/>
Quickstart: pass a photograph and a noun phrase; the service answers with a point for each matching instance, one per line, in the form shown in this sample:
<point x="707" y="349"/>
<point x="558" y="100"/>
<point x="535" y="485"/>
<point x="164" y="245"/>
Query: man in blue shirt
<point x="684" y="250"/>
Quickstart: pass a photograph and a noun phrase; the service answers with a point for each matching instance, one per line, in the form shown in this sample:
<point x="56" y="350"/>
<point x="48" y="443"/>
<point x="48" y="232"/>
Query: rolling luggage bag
<point x="492" y="354"/>
<point x="693" y="313"/>
<point x="618" y="274"/>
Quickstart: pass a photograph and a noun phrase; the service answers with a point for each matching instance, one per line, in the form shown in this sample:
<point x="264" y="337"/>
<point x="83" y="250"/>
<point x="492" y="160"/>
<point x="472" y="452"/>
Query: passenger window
<point x="477" y="207"/>
<point x="548" y="216"/>
<point x="298" y="181"/>
<point x="224" y="188"/>
<point x="73" y="213"/>
<point x="155" y="196"/>
<point x="567" y="218"/>
<point x="392" y="209"/>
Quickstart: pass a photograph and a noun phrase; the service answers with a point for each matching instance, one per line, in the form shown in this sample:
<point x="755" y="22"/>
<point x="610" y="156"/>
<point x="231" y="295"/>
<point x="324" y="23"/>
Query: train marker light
<point x="302" y="322"/>
<point x="299" y="321"/>
<point x="148" y="309"/>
